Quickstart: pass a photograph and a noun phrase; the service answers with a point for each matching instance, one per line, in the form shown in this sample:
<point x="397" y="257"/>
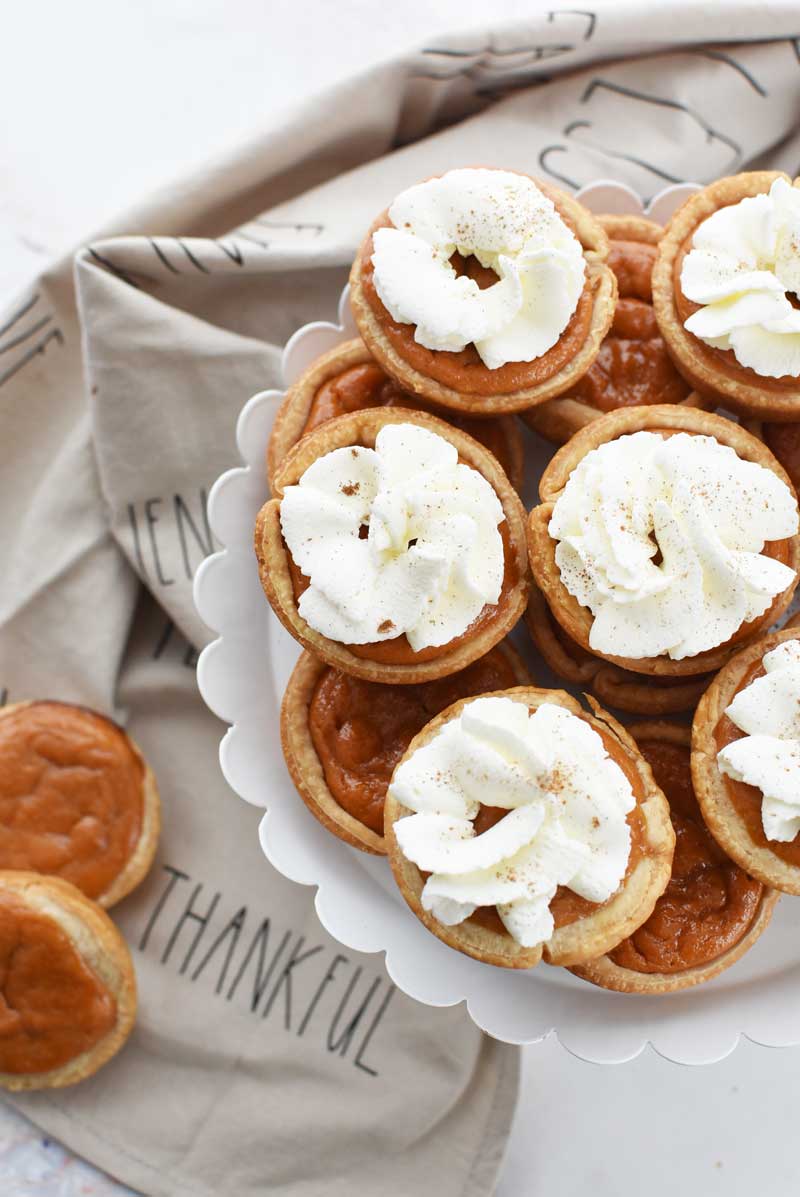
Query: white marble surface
<point x="120" y="98"/>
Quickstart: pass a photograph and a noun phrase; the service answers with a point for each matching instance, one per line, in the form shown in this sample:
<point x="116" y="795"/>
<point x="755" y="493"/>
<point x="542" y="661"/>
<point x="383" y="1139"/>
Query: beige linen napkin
<point x="267" y="1058"/>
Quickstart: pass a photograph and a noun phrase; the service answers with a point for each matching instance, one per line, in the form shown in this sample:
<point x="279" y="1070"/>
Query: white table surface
<point x="116" y="100"/>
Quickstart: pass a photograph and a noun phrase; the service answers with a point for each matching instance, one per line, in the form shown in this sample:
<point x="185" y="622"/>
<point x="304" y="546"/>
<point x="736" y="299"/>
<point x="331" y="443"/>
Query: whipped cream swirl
<point x="402" y="538"/>
<point x="567" y="803"/>
<point x="743" y="266"/>
<point x="510" y="226"/>
<point x="768" y="755"/>
<point x="662" y="537"/>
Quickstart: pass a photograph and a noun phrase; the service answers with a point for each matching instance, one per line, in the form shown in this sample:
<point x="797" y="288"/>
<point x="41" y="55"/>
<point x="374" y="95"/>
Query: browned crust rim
<point x="595" y="243"/>
<point x="305" y="766"/>
<point x="587" y="937"/>
<point x="273" y="558"/>
<point x="616" y="687"/>
<point x="138" y="864"/>
<point x="292" y="415"/>
<point x="691" y="356"/>
<point x="608" y="975"/>
<point x="720" y="814"/>
<point x="577" y="620"/>
<point x="630" y="228"/>
<point x="103" y="950"/>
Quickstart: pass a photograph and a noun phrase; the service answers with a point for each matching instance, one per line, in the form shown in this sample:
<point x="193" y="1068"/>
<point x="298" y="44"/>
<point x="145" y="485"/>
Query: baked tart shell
<point x="723" y="820"/>
<point x="743" y="390"/>
<point x="102" y="948"/>
<point x="292" y="415"/>
<point x="589" y="936"/>
<point x="577" y="620"/>
<point x="598" y="277"/>
<point x="605" y="973"/>
<point x="559" y="419"/>
<point x="616" y="687"/>
<point x="305" y="766"/>
<point x="361" y="428"/>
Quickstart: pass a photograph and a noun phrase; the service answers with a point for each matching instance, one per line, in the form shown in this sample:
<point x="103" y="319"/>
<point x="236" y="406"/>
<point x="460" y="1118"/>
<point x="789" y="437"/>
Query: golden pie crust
<point x="138" y="864"/>
<point x="292" y="415"/>
<point x="620" y="688"/>
<point x="559" y="419"/>
<point x="102" y="948"/>
<point x="303" y="762"/>
<point x="703" y="367"/>
<point x="723" y="820"/>
<point x="609" y="975"/>
<point x="575" y="619"/>
<point x="361" y="428"/>
<point x="598" y="277"/>
<point x="588" y="936"/>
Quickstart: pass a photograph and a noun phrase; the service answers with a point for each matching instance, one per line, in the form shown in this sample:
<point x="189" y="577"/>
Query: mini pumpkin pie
<point x="521" y="826"/>
<point x="342" y="736"/>
<point x="633" y="366"/>
<point x="746" y="759"/>
<point x="620" y="688"/>
<point x="484" y="290"/>
<point x="711" y="912"/>
<point x="395" y="547"/>
<point x="77" y="799"/>
<point x="348" y="379"/>
<point x="666" y="539"/>
<point x="726" y="293"/>
<point x="67" y="986"/>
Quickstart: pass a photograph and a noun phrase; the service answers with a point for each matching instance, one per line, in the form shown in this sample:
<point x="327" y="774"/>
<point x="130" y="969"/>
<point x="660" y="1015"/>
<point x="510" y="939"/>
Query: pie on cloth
<point x="395" y="547"/>
<point x="633" y="366"/>
<point x="726" y="286"/>
<point x="711" y="912"/>
<point x="621" y="688"/>
<point x="521" y="826"/>
<point x="746" y="759"/>
<point x="666" y="538"/>
<point x="66" y="980"/>
<point x="484" y="290"/>
<point x="346" y="379"/>
<point x="77" y="799"/>
<point x="342" y="736"/>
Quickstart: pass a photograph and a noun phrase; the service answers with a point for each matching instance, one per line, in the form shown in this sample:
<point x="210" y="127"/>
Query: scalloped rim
<point x="697" y="1027"/>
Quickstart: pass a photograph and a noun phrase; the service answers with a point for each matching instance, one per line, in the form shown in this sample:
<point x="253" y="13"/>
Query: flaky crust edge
<point x="362" y="428"/>
<point x="629" y="692"/>
<point x="587" y="937"/>
<point x="719" y="812"/>
<point x="608" y="975"/>
<point x="291" y="416"/>
<point x="691" y="356"/>
<point x="559" y="419"/>
<point x="104" y="951"/>
<point x="304" y="764"/>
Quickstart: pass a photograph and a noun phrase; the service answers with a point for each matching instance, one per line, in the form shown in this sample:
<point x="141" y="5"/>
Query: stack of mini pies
<point x="702" y="878"/>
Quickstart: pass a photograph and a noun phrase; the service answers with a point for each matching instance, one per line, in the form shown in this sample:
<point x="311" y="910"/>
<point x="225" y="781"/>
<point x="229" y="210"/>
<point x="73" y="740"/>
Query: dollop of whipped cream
<point x="510" y="226"/>
<point x="402" y="538"/>
<point x="743" y="265"/>
<point x="567" y="803"/>
<point x="661" y="538"/>
<point x="768" y="755"/>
